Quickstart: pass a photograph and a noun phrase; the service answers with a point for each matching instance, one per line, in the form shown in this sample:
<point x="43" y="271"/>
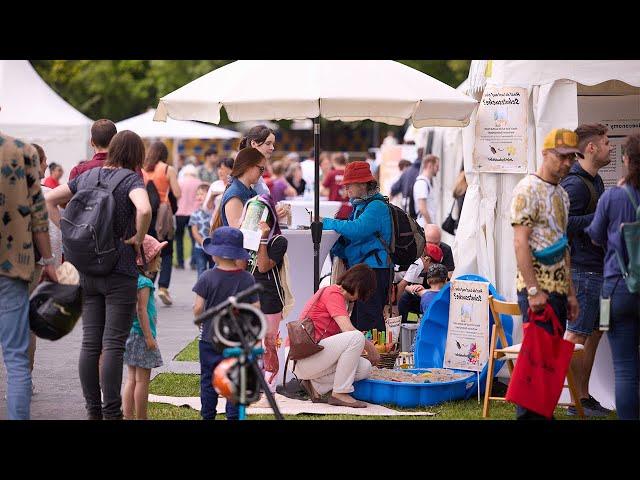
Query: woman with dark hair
<point x="165" y="180"/>
<point x="248" y="167"/>
<point x="263" y="139"/>
<point x="616" y="206"/>
<point x="328" y="375"/>
<point x="361" y="241"/>
<point x="109" y="302"/>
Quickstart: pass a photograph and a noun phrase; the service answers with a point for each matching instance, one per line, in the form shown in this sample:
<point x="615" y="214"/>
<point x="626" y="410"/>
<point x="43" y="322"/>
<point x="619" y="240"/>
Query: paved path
<point x="55" y="375"/>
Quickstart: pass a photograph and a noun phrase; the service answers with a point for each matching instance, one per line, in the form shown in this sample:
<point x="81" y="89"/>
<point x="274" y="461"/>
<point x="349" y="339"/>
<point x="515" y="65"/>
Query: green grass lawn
<point x="190" y="353"/>
<point x="176" y="385"/>
<point x="188" y="385"/>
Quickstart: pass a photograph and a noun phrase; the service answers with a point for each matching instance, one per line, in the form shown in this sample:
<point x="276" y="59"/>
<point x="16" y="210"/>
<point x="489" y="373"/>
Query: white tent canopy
<point x="484" y="240"/>
<point x="144" y="126"/>
<point x="32" y="111"/>
<point x="379" y="90"/>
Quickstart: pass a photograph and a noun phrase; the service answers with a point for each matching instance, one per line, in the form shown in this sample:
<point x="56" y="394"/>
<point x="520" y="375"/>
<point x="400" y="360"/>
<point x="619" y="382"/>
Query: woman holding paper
<point x="328" y="375"/>
<point x="248" y="167"/>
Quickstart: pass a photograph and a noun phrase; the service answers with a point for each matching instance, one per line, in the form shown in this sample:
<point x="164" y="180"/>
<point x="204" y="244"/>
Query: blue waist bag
<point x="553" y="253"/>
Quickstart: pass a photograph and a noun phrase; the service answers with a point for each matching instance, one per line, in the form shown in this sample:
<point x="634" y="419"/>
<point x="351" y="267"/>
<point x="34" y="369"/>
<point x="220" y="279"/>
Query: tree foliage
<point x="119" y="89"/>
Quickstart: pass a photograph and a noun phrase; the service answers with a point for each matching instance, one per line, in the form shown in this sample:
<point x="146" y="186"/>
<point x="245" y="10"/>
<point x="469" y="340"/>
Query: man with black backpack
<point x="102" y="131"/>
<point x="103" y="227"/>
<point x="585" y="187"/>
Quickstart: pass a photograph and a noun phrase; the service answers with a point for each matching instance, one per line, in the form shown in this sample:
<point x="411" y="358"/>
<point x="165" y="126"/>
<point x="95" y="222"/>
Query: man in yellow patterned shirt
<point x="539" y="216"/>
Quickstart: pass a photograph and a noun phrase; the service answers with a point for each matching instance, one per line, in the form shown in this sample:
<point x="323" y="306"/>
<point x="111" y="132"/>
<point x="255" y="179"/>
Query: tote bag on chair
<point x="542" y="364"/>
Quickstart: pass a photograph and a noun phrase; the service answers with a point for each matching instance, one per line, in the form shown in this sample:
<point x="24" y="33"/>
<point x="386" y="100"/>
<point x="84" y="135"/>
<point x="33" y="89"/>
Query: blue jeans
<point x="559" y="305"/>
<point x="14" y="338"/>
<point x="209" y="360"/>
<point x="588" y="286"/>
<point x="203" y="260"/>
<point x="182" y="222"/>
<point x="624" y="334"/>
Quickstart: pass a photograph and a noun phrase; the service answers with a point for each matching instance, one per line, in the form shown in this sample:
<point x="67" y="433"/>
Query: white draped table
<point x="300" y="253"/>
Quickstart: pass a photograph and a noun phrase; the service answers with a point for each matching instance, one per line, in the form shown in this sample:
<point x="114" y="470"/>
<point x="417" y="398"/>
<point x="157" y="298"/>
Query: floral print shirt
<point x="544" y="207"/>
<point x="22" y="207"/>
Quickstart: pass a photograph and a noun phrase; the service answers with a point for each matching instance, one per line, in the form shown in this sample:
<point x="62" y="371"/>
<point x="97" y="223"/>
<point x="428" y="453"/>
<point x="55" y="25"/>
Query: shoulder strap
<point x="316" y="300"/>
<point x="593" y="200"/>
<point x="623" y="267"/>
<point x="93" y="177"/>
<point x="368" y="202"/>
<point x="630" y="195"/>
<point x="118" y="177"/>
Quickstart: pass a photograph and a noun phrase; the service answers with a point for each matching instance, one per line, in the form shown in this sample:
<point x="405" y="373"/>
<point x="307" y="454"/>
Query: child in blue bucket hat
<point x="215" y="286"/>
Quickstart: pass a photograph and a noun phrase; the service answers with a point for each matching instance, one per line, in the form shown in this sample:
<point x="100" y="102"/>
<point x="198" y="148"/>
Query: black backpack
<point x="154" y="200"/>
<point x="407" y="237"/>
<point x="88" y="240"/>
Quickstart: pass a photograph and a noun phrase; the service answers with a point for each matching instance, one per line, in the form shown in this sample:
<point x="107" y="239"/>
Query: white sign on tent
<point x="501" y="131"/>
<point x="467" y="346"/>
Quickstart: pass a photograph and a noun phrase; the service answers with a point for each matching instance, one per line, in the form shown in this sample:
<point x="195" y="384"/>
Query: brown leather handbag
<point x="302" y="338"/>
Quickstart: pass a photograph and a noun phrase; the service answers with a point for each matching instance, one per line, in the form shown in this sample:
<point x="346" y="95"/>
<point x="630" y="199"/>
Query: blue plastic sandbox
<point x="429" y="353"/>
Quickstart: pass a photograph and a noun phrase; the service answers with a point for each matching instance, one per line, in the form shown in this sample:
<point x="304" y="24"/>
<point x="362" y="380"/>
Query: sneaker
<point x="163" y="294"/>
<point x="592" y="408"/>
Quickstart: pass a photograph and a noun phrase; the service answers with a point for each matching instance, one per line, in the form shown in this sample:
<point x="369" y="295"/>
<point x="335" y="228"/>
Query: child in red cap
<point x="408" y="302"/>
<point x="141" y="350"/>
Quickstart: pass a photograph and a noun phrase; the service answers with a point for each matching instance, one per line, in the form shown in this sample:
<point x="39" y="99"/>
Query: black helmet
<point x="54" y="309"/>
<point x="226" y="381"/>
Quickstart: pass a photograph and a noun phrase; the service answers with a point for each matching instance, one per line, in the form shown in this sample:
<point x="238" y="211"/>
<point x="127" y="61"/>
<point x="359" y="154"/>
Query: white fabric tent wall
<point x="32" y="111"/>
<point x="447" y="145"/>
<point x="484" y="240"/>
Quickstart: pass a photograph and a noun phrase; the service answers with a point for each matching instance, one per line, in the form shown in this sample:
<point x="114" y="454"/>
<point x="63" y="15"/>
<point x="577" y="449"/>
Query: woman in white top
<point x="212" y="200"/>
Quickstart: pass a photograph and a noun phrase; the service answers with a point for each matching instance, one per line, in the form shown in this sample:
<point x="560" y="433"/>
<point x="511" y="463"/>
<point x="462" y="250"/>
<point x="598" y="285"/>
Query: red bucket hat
<point x="357" y="172"/>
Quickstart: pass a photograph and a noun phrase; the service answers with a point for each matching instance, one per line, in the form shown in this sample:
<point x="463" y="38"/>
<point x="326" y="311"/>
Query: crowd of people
<point x="563" y="203"/>
<point x="567" y="238"/>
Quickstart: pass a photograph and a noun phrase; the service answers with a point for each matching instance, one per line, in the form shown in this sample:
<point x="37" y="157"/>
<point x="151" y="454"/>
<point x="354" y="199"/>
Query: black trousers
<point x="108" y="307"/>
<point x="369" y="314"/>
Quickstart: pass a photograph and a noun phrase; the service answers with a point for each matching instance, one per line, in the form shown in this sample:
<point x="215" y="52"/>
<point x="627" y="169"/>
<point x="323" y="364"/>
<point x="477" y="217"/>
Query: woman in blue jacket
<point x="360" y="241"/>
<point x="618" y="205"/>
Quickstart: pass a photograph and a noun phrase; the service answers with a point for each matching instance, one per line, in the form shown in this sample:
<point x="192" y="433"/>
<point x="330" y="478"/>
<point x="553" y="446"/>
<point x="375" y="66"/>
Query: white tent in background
<point x="144" y="126"/>
<point x="32" y="111"/>
<point x="562" y="94"/>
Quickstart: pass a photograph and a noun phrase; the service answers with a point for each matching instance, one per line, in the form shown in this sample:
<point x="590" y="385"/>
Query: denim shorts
<point x="588" y="286"/>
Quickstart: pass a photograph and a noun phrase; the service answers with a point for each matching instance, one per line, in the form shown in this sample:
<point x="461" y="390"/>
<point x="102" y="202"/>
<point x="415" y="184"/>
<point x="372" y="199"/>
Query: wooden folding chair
<point x="510" y="353"/>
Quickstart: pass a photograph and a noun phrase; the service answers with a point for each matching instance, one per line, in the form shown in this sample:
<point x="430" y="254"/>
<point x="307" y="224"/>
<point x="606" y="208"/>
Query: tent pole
<point x="316" y="225"/>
